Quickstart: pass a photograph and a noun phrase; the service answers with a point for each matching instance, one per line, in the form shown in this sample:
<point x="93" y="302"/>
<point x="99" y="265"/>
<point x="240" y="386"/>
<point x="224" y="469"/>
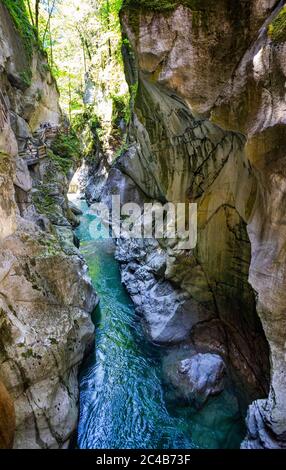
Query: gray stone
<point x="22" y="177"/>
<point x="198" y="377"/>
<point x="74" y="208"/>
<point x="21" y="130"/>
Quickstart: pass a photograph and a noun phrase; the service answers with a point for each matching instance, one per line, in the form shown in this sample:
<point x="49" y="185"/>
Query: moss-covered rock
<point x="67" y="146"/>
<point x="164" y="5"/>
<point x="63" y="164"/>
<point x="18" y="13"/>
<point x="277" y="29"/>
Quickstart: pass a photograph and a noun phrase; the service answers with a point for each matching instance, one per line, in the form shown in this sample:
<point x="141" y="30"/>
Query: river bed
<point x="123" y="399"/>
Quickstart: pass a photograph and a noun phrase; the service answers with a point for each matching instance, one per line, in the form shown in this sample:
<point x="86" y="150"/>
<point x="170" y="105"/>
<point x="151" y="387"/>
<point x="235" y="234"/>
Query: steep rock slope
<point x="46" y="296"/>
<point x="193" y="66"/>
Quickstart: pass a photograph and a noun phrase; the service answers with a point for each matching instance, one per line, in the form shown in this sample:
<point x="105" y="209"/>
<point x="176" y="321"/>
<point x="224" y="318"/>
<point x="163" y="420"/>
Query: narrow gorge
<point x="136" y="343"/>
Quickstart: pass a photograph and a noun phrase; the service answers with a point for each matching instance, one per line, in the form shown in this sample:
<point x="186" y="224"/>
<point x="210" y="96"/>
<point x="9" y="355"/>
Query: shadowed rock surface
<point x="208" y="126"/>
<point x="7" y="419"/>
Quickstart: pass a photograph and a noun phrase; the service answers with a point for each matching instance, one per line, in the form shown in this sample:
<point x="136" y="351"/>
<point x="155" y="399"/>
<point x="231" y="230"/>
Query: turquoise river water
<point x="123" y="400"/>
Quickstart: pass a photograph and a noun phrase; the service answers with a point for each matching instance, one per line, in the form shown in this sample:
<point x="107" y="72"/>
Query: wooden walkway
<point x="37" y="147"/>
<point x="46" y="133"/>
<point x="34" y="154"/>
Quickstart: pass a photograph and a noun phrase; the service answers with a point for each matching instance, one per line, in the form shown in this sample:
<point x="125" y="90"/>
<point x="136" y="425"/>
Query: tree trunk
<point x="108" y="27"/>
<point x="31" y="13"/>
<point x="70" y="99"/>
<point x="37" y="14"/>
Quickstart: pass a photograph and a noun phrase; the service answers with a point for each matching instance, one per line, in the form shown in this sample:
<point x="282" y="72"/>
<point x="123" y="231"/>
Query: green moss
<point x="277" y="29"/>
<point x="18" y="12"/>
<point x="63" y="164"/>
<point x="44" y="202"/>
<point x="63" y="157"/>
<point x="51" y="247"/>
<point x="91" y="129"/>
<point x="162" y="5"/>
<point x="119" y="104"/>
<point x="123" y="148"/>
<point x="27" y="354"/>
<point x="30" y="354"/>
<point x="66" y="152"/>
<point x="67" y="146"/>
<point x="46" y="67"/>
<point x="53" y="341"/>
<point x="26" y="77"/>
<point x="86" y="119"/>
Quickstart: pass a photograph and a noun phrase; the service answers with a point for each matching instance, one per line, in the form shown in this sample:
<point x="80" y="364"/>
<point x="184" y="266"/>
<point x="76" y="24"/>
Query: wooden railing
<point x="36" y="148"/>
<point x="33" y="154"/>
<point x="47" y="133"/>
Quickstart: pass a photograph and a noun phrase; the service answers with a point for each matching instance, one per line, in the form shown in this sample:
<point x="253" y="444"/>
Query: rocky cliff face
<point x="46" y="296"/>
<point x="208" y="85"/>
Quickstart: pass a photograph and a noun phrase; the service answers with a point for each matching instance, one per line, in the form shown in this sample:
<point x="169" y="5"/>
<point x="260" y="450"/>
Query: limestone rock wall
<point x="46" y="296"/>
<point x="208" y="85"/>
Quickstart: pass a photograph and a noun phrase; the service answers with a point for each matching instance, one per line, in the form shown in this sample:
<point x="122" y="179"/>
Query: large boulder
<point x="197" y="378"/>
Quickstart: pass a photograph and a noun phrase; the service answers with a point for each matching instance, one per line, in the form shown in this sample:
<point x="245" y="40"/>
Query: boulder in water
<point x="199" y="377"/>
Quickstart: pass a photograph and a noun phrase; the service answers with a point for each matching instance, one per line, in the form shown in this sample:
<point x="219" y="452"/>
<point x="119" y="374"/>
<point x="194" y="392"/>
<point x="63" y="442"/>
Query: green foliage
<point x="94" y="123"/>
<point x="89" y="126"/>
<point x="65" y="153"/>
<point x="87" y="121"/>
<point x="134" y="90"/>
<point x="64" y="165"/>
<point x="18" y="12"/>
<point x="87" y="118"/>
<point x="44" y="68"/>
<point x="161" y="5"/>
<point x="277" y="29"/>
<point x="123" y="148"/>
<point x="120" y="109"/>
<point x="67" y="147"/>
<point x="110" y="7"/>
<point x="87" y="51"/>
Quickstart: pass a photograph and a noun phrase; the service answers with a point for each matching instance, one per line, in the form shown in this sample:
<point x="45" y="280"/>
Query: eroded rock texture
<point x="208" y="126"/>
<point x="7" y="419"/>
<point x="46" y="296"/>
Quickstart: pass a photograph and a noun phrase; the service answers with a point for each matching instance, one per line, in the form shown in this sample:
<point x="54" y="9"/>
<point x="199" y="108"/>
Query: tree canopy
<point x="83" y="43"/>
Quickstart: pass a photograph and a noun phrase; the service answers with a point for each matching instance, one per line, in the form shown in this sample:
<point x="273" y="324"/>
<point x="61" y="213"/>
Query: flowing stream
<point x="122" y="396"/>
